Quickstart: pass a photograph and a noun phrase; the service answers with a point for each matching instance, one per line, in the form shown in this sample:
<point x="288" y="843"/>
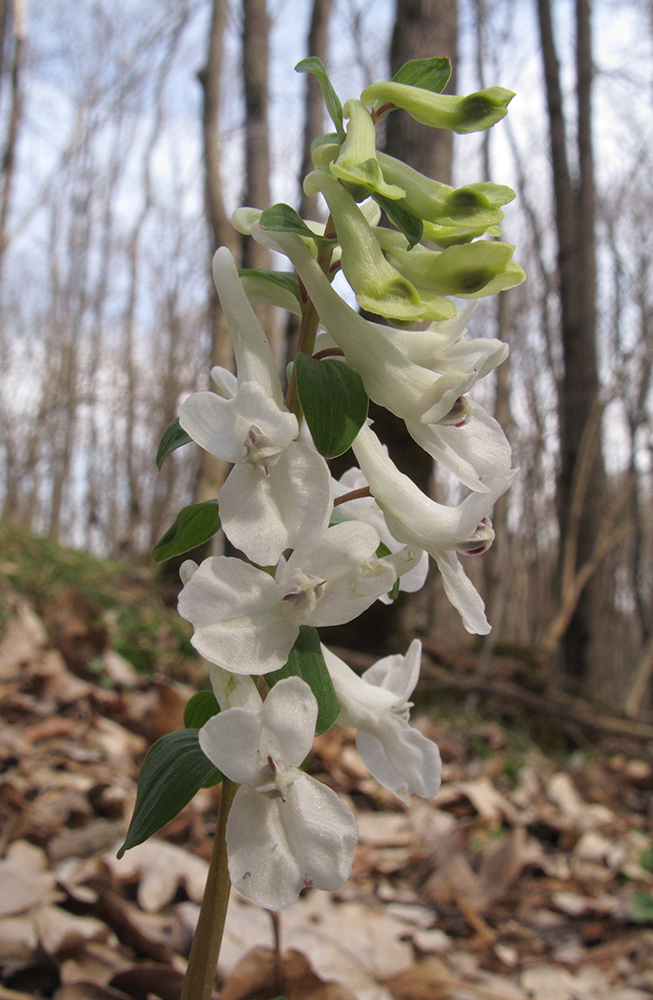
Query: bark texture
<point x="212" y="471"/>
<point x="580" y="499"/>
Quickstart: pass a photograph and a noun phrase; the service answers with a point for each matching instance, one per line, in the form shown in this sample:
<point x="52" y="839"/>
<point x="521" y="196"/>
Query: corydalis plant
<point x="318" y="552"/>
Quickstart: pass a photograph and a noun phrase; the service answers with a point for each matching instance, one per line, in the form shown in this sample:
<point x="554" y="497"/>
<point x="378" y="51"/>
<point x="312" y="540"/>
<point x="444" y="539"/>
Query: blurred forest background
<point x="128" y="134"/>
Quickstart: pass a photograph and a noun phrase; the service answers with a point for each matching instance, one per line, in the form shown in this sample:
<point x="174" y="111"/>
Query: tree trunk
<point x="213" y="471"/>
<point x="317" y="45"/>
<point x="255" y="38"/>
<point x="422" y="28"/>
<point x="314" y="115"/>
<point x="579" y="391"/>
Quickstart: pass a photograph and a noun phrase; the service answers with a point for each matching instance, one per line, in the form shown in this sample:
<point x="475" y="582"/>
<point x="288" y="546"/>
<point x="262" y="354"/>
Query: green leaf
<point x="174" y="436"/>
<point x="194" y="525"/>
<point x="409" y="224"/>
<point x="280" y="288"/>
<point x="334" y="402"/>
<point x="641" y="911"/>
<point x="429" y="74"/>
<point x="382" y="551"/>
<point x="200" y="707"/>
<point x="282" y="218"/>
<point x="172" y="773"/>
<point x="306" y="661"/>
<point x="331" y="99"/>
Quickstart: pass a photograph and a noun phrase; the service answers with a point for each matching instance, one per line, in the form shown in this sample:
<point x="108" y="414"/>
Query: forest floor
<point x="530" y="875"/>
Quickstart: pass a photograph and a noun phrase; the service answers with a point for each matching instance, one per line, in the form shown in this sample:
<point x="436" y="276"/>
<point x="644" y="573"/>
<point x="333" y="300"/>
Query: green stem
<point x="306" y="343"/>
<point x="203" y="960"/>
<point x="309" y="322"/>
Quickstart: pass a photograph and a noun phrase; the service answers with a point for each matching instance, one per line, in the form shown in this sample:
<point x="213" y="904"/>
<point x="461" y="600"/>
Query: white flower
<point x="247" y="621"/>
<point x="285" y="831"/>
<point x="418" y="375"/>
<point x="280" y="489"/>
<point x="376" y="704"/>
<point x="415" y="519"/>
<point x="366" y="509"/>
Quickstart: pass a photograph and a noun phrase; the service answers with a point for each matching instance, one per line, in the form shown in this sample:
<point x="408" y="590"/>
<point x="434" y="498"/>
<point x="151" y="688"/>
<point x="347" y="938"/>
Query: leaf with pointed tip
<point x="306" y="661"/>
<point x="200" y="707"/>
<point x="334" y="402"/>
<point x="195" y="524"/>
<point x="173" y="772"/>
<point x="409" y="224"/>
<point x="174" y="436"/>
<point x="278" y="288"/>
<point x="282" y="218"/>
<point x="429" y="74"/>
<point x="331" y="99"/>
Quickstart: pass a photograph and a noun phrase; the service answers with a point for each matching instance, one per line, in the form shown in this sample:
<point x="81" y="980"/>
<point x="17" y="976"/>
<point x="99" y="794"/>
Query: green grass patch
<point x="125" y="598"/>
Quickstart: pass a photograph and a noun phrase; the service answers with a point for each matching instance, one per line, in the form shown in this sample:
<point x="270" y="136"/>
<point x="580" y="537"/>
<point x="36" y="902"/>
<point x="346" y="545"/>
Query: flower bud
<point x="467" y="271"/>
<point x="357" y="162"/>
<point x="473" y="113"/>
<point x="379" y="287"/>
<point x="459" y="414"/>
<point x="480" y="541"/>
<point x="477" y="205"/>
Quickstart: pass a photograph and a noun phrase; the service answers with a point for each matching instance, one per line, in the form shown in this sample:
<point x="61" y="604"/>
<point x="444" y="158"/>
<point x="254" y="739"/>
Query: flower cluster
<point x="319" y="552"/>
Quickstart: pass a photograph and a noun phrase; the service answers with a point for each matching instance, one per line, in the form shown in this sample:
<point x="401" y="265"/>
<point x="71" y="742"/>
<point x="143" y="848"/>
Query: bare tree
<point x="579" y="390"/>
<point x="213" y="471"/>
<point x="317" y="45"/>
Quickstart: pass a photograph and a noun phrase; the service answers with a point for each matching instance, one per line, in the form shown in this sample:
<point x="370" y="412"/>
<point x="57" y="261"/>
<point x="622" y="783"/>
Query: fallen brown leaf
<point x="260" y="976"/>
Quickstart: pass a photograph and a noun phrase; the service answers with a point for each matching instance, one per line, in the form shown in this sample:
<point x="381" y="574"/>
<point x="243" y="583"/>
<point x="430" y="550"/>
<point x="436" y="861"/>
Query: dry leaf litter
<point x="513" y="883"/>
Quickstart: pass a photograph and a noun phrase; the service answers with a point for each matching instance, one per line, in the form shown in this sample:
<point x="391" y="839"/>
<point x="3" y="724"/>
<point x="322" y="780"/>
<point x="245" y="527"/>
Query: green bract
<point x="430" y="74"/>
<point x="334" y="402"/>
<point x="473" y="113"/>
<point x="200" y="707"/>
<point x="277" y="288"/>
<point x="173" y="437"/>
<point x="331" y="99"/>
<point x="194" y="526"/>
<point x="172" y="773"/>
<point x="307" y="661"/>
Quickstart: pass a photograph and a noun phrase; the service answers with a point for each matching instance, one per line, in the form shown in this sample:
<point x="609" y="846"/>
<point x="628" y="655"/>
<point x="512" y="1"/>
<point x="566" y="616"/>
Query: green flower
<point x="473" y="113"/>
<point x="357" y="161"/>
<point x="379" y="287"/>
<point x="469" y="271"/>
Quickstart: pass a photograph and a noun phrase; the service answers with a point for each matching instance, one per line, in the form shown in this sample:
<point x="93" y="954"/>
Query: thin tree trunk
<point x="422" y="28"/>
<point x="317" y="45"/>
<point x="255" y="40"/>
<point x="579" y="391"/>
<point x="15" y="117"/>
<point x="213" y="471"/>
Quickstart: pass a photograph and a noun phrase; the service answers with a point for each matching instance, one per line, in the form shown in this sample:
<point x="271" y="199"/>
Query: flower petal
<point x="397" y="673"/>
<point x="479" y="448"/>
<point x="278" y="848"/>
<point x="289" y="505"/>
<point x="211" y="421"/>
<point x="234" y="609"/>
<point x="462" y="593"/>
<point x="288" y="717"/>
<point x="254" y="359"/>
<point x="231" y="740"/>
<point x="401" y="758"/>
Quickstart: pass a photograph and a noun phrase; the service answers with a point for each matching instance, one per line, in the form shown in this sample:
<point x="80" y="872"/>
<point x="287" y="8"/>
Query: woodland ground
<point x="528" y="876"/>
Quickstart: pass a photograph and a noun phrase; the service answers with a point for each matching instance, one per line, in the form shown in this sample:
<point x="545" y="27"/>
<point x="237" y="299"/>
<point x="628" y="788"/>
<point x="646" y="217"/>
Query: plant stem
<point x="309" y="322"/>
<point x="204" y="953"/>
